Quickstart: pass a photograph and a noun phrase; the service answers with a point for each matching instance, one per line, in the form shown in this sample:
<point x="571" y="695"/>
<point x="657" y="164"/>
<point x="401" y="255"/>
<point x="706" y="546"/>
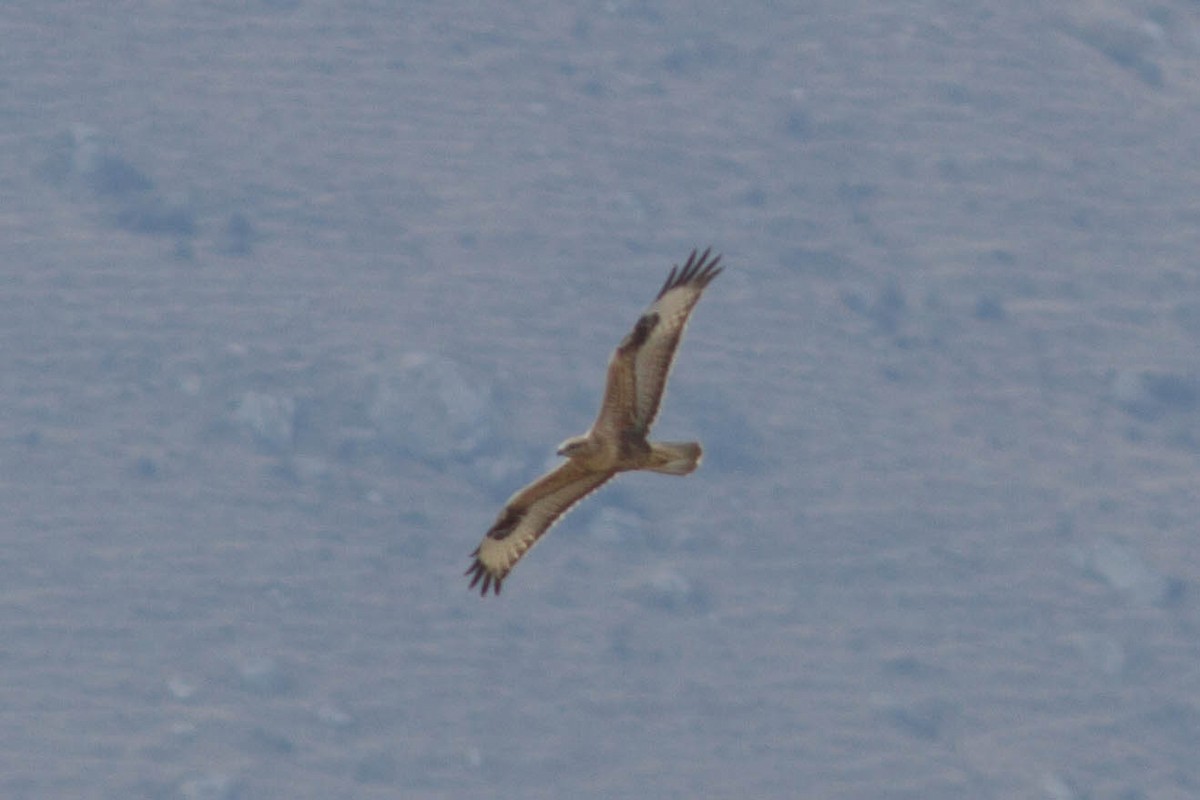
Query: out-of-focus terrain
<point x="294" y="294"/>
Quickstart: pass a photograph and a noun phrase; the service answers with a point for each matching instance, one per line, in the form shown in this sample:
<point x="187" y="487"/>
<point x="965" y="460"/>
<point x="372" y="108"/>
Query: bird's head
<point x="576" y="445"/>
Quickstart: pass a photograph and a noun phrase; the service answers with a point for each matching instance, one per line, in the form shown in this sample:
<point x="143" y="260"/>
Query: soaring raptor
<point x="616" y="442"/>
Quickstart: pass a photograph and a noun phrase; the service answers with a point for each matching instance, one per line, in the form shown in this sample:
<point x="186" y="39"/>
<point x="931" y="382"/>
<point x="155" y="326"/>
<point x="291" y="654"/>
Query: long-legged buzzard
<point x="616" y="442"/>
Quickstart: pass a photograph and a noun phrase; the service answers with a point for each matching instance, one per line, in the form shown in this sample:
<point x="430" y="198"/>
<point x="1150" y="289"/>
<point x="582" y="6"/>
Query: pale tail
<point x="674" y="458"/>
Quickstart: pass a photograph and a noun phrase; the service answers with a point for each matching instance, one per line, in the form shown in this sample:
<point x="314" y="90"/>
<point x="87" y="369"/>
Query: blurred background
<point x="294" y="294"/>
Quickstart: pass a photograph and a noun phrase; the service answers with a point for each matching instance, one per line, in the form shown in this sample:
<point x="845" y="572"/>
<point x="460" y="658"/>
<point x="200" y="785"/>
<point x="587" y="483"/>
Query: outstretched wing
<point x="646" y="354"/>
<point x="527" y="515"/>
<point x="619" y="408"/>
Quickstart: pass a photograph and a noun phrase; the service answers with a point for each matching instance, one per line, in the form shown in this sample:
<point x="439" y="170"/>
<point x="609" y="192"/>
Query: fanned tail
<point x="674" y="458"/>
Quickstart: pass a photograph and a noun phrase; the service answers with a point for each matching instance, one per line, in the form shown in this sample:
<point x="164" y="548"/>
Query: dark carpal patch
<point x="507" y="523"/>
<point x="641" y="331"/>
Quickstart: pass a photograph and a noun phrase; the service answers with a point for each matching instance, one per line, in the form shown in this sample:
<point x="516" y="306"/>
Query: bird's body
<point x="617" y="441"/>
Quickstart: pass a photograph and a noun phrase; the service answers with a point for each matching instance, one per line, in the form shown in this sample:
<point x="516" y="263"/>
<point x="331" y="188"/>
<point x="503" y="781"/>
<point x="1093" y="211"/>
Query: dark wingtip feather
<point x="478" y="572"/>
<point x="699" y="269"/>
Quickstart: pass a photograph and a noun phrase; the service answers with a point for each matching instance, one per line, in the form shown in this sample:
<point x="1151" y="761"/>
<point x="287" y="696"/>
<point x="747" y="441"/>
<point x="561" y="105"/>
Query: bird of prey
<point x="616" y="442"/>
